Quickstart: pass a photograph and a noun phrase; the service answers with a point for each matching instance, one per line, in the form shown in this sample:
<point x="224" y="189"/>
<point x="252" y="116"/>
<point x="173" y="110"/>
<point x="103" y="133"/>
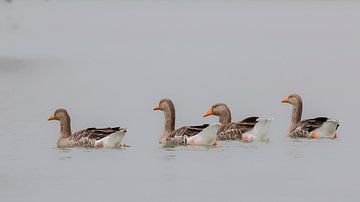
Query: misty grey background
<point x="110" y="62"/>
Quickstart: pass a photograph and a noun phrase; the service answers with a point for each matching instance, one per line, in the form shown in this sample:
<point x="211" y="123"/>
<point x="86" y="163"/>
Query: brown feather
<point x="234" y="131"/>
<point x="94" y="133"/>
<point x="306" y="126"/>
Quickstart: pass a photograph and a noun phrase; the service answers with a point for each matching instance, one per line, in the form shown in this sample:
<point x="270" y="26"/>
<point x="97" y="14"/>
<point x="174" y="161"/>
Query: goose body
<point x="205" y="137"/>
<point x="320" y="127"/>
<point x="236" y="130"/>
<point x="187" y="135"/>
<point x="260" y="131"/>
<point x="90" y="137"/>
<point x="249" y="129"/>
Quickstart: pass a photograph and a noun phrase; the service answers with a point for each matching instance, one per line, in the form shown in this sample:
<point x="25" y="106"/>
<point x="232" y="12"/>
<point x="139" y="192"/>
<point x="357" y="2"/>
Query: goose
<point x="90" y="137"/>
<point x="320" y="127"/>
<point x="187" y="135"/>
<point x="247" y="130"/>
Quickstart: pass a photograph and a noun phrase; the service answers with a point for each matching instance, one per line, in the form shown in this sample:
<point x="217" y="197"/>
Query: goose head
<point x="293" y="99"/>
<point x="59" y="115"/>
<point x="217" y="110"/>
<point x="165" y="105"/>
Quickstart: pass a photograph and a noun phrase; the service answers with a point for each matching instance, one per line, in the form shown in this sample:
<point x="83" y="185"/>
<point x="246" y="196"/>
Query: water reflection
<point x="5" y="180"/>
<point x="12" y="64"/>
<point x="170" y="156"/>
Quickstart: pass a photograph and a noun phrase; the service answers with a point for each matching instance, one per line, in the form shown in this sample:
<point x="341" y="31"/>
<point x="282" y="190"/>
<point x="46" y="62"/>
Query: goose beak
<point x="51" y="117"/>
<point x="157" y="107"/>
<point x="285" y="100"/>
<point x="209" y="112"/>
<point x="125" y="130"/>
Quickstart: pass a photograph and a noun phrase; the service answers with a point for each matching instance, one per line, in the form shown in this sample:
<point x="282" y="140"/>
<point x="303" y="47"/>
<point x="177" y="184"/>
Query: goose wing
<point x="247" y="124"/>
<point x="94" y="133"/>
<point x="235" y="130"/>
<point x="188" y="130"/>
<point x="306" y="126"/>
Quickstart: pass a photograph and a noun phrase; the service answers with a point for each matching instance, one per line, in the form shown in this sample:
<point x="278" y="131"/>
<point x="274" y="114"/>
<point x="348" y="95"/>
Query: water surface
<point x="110" y="62"/>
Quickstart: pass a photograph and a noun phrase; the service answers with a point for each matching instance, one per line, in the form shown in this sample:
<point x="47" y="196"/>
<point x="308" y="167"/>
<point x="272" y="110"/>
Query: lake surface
<point x="110" y="62"/>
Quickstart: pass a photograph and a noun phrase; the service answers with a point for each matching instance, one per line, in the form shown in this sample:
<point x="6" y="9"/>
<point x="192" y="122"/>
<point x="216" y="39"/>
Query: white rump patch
<point x="327" y="129"/>
<point x="260" y="131"/>
<point x="205" y="137"/>
<point x="112" y="140"/>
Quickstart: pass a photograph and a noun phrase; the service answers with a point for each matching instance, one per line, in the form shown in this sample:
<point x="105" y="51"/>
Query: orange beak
<point x="51" y="117"/>
<point x="157" y="107"/>
<point x="209" y="112"/>
<point x="286" y="100"/>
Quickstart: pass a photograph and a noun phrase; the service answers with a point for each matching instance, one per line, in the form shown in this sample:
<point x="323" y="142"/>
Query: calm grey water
<point x="110" y="62"/>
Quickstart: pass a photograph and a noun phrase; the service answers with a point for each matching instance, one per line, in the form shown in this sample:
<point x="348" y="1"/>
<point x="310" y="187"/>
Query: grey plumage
<point x="235" y="130"/>
<point x="83" y="138"/>
<point x="306" y="126"/>
<point x="171" y="136"/>
<point x="230" y="130"/>
<point x="298" y="128"/>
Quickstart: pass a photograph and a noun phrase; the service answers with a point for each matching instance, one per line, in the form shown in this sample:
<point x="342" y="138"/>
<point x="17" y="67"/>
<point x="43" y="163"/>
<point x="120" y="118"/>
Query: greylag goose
<point x="90" y="137"/>
<point x="320" y="127"/>
<point x="249" y="129"/>
<point x="187" y="135"/>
